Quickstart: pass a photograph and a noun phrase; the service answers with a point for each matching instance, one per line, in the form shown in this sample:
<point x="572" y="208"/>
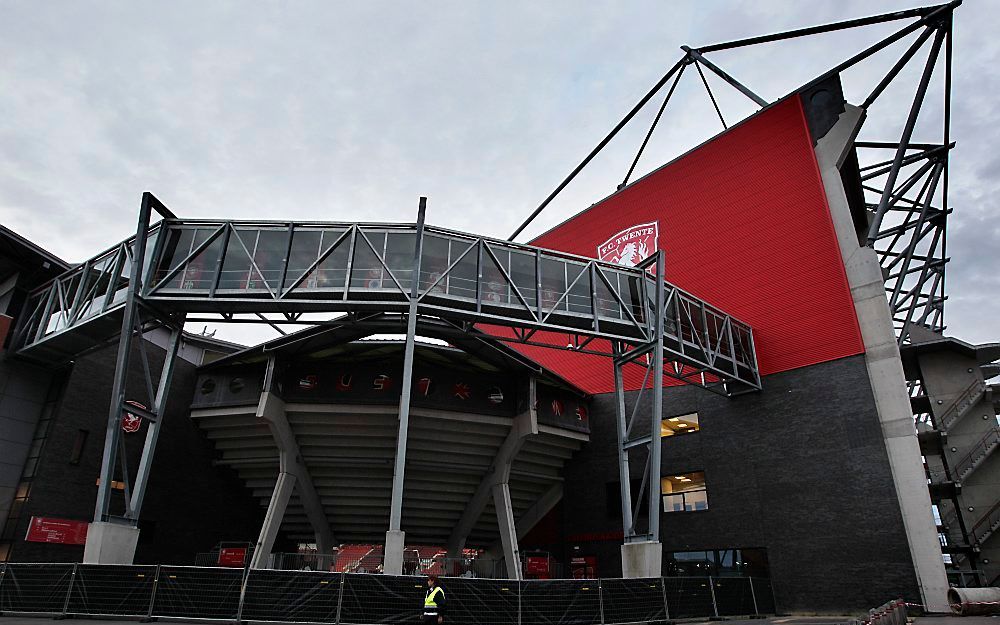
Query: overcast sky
<point x="350" y="111"/>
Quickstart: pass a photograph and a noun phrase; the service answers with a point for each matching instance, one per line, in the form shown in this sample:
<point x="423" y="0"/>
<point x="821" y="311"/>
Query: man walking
<point x="433" y="602"/>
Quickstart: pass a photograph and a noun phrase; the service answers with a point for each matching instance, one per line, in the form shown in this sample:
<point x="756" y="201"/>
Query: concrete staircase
<point x="978" y="454"/>
<point x="961" y="404"/>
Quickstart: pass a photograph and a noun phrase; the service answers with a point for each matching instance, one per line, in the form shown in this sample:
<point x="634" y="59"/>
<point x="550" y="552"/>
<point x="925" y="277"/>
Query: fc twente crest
<point x="630" y="246"/>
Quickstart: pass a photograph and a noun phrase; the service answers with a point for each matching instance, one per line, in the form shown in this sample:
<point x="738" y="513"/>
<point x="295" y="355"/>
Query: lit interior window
<point x="681" y="424"/>
<point x="684" y="492"/>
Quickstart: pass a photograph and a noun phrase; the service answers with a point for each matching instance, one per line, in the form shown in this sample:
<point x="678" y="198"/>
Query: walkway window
<point x="684" y="492"/>
<point x="681" y="424"/>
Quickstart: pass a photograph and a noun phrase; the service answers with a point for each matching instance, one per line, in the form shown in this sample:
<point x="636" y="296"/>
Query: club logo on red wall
<point x="461" y="390"/>
<point x="630" y="246"/>
<point x="131" y="422"/>
<point x="308" y="382"/>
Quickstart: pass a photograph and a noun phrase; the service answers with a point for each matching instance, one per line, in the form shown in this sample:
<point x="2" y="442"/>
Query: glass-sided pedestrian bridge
<point x="239" y="267"/>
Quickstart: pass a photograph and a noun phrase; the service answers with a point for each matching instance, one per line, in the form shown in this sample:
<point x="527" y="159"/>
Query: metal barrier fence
<point x="192" y="592"/>
<point x="889" y="613"/>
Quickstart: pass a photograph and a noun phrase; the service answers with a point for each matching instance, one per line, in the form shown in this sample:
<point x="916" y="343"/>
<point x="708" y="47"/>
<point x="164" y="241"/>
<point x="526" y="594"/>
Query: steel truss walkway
<point x="185" y="270"/>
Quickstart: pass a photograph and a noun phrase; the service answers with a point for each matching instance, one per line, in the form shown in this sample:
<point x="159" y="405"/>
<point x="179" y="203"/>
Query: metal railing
<point x="987" y="524"/>
<point x="242" y="267"/>
<point x="889" y="613"/>
<point x="961" y="404"/>
<point x="324" y="597"/>
<point x="977" y="453"/>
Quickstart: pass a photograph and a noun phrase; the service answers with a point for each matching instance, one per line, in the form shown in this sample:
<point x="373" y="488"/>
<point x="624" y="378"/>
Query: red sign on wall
<point x="232" y="556"/>
<point x="537" y="567"/>
<point x="61" y="531"/>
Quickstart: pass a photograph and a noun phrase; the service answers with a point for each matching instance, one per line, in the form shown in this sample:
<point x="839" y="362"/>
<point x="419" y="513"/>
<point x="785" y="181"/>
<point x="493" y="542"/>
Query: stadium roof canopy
<point x="345" y="436"/>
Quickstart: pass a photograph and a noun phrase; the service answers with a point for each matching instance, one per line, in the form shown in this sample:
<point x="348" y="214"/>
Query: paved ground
<point x="778" y="620"/>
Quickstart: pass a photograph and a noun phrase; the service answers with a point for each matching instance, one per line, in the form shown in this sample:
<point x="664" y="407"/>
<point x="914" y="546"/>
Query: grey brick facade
<point x="799" y="469"/>
<point x="191" y="504"/>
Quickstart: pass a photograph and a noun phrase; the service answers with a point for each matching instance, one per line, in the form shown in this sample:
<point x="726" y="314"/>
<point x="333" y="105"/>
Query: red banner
<point x="537" y="567"/>
<point x="62" y="531"/>
<point x="232" y="556"/>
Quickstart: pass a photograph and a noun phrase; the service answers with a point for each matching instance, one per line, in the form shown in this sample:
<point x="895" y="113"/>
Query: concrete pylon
<point x="292" y="474"/>
<point x="495" y="484"/>
<point x="885" y="368"/>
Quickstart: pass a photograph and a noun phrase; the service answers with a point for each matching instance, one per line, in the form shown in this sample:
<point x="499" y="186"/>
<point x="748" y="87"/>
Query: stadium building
<point x="714" y="371"/>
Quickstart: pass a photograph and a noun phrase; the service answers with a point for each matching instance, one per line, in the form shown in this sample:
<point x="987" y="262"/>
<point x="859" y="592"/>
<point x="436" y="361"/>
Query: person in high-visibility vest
<point x="433" y="602"/>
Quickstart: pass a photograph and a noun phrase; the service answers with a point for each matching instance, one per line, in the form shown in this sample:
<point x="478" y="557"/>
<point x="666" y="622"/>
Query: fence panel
<point x="763" y="593"/>
<point x="35" y="588"/>
<point x="112" y="590"/>
<point x="301" y="596"/>
<point x="733" y="596"/>
<point x="196" y="592"/>
<point x="480" y="601"/>
<point x="688" y="597"/>
<point x="633" y="600"/>
<point x="560" y="602"/>
<point x="382" y="599"/>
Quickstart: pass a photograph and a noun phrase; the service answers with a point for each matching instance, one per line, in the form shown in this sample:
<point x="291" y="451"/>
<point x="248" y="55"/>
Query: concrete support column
<point x="642" y="559"/>
<point x="110" y="543"/>
<point x="885" y="368"/>
<point x="272" y="520"/>
<point x="495" y="484"/>
<point x="392" y="564"/>
<point x="508" y="530"/>
<point x="271" y="409"/>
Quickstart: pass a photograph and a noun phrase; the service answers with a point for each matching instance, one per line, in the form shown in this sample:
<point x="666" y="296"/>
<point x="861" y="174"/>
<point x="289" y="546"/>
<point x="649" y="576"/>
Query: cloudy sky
<point x="350" y="111"/>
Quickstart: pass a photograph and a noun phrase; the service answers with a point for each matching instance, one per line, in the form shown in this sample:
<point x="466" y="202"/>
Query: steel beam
<point x="394" y="561"/>
<point x="129" y="318"/>
<point x="656" y="417"/>
<point x="904" y="140"/>
<point x="694" y="54"/>
<point x="600" y="146"/>
<point x="921" y="12"/>
<point x="153" y="429"/>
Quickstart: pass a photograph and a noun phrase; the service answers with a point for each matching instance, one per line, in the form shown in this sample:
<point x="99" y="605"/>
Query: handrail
<point x="984" y="445"/>
<point x="989" y="519"/>
<point x="255" y="267"/>
<point x="961" y="403"/>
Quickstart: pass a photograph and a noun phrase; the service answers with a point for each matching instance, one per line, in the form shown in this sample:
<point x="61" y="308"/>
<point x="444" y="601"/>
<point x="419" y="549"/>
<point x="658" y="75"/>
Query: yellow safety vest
<point x="430" y="599"/>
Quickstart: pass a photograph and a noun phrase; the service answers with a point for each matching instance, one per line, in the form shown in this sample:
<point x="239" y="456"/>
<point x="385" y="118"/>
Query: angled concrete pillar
<point x="508" y="530"/>
<point x="531" y="516"/>
<point x="495" y="484"/>
<point x="272" y="520"/>
<point x="885" y="368"/>
<point x="271" y="409"/>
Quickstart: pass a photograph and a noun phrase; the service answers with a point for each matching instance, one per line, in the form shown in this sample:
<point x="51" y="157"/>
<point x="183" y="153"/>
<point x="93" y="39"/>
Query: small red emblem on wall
<point x="630" y="246"/>
<point x="131" y="422"/>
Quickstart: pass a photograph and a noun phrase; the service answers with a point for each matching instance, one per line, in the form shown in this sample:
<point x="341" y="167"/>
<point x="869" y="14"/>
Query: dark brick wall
<point x="799" y="469"/>
<point x="190" y="504"/>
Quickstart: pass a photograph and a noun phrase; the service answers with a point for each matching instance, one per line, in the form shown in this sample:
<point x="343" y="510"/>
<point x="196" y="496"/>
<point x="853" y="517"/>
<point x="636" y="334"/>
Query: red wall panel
<point x="744" y="224"/>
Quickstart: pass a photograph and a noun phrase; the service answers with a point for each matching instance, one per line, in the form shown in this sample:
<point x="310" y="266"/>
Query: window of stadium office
<point x="716" y="563"/>
<point x="680" y="424"/>
<point x="684" y="492"/>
